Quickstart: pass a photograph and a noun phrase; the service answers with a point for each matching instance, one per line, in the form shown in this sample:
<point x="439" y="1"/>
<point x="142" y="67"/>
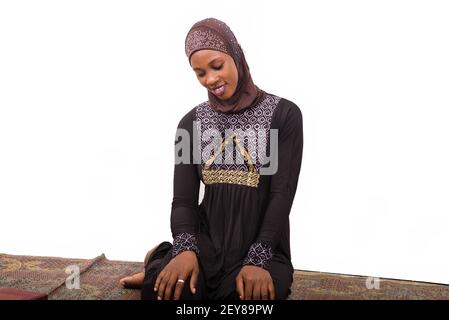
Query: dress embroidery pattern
<point x="250" y="178"/>
<point x="259" y="255"/>
<point x="184" y="242"/>
<point x="248" y="131"/>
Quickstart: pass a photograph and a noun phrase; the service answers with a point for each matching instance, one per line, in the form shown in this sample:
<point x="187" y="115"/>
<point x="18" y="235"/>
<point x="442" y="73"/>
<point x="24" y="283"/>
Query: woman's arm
<point x="288" y="120"/>
<point x="184" y="219"/>
<point x="186" y="182"/>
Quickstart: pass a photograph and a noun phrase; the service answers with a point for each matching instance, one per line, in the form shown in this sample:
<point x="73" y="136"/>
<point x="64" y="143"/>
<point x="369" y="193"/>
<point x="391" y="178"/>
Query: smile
<point x="219" y="91"/>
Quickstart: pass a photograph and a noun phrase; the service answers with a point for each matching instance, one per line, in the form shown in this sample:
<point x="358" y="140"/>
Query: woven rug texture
<point x="99" y="278"/>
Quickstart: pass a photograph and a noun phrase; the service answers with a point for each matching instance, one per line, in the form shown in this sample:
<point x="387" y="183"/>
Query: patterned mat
<point x="98" y="277"/>
<point x="99" y="280"/>
<point x="309" y="285"/>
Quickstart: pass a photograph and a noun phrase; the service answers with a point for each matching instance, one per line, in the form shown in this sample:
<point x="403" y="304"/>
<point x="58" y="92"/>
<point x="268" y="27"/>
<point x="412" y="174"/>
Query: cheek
<point x="235" y="79"/>
<point x="232" y="75"/>
<point x="201" y="81"/>
<point x="235" y="74"/>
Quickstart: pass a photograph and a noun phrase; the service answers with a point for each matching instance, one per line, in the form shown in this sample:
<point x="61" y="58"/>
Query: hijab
<point x="214" y="34"/>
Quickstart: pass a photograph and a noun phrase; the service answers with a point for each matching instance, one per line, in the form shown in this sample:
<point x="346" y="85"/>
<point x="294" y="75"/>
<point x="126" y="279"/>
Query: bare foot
<point x="136" y="280"/>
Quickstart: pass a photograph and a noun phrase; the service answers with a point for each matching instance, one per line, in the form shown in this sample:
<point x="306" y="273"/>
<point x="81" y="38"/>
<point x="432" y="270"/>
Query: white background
<point x="91" y="93"/>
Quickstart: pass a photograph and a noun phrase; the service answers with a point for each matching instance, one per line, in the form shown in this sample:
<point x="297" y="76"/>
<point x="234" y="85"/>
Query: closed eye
<point x="215" y="68"/>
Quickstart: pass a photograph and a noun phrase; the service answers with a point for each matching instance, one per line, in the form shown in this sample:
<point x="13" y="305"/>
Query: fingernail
<point x="159" y="298"/>
<point x="155" y="289"/>
<point x="194" y="290"/>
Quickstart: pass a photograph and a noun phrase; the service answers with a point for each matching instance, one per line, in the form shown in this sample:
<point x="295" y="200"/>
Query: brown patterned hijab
<point x="214" y="34"/>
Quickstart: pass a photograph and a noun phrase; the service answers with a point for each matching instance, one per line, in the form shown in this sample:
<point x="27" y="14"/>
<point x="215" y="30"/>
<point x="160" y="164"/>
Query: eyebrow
<point x="209" y="64"/>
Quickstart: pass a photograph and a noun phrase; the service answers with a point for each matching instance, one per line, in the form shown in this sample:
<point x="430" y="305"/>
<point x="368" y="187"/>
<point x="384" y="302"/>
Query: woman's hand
<point x="254" y="283"/>
<point x="181" y="267"/>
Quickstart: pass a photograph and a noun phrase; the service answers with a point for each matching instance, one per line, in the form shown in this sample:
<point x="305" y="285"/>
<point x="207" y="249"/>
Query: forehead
<point x="205" y="57"/>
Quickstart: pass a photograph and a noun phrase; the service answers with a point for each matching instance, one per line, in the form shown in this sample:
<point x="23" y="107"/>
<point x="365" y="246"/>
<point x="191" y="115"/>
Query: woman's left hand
<point x="254" y="283"/>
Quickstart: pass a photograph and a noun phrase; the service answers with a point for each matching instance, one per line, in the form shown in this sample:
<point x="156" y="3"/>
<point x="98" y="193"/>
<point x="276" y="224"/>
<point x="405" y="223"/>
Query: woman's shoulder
<point x="285" y="104"/>
<point x="286" y="110"/>
<point x="189" y="117"/>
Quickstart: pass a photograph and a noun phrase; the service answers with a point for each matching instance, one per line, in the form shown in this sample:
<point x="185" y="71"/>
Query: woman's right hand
<point x="181" y="267"/>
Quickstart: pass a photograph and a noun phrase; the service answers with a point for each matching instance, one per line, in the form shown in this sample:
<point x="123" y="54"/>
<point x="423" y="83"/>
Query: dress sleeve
<point x="186" y="182"/>
<point x="288" y="120"/>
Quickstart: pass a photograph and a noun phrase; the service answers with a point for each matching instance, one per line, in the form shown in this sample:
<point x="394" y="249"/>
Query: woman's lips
<point x="220" y="90"/>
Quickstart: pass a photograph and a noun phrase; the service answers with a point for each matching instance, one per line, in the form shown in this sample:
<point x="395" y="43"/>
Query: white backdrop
<point x="91" y="93"/>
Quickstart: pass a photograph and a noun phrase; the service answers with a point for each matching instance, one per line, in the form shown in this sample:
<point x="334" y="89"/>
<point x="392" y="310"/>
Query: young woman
<point x="245" y="145"/>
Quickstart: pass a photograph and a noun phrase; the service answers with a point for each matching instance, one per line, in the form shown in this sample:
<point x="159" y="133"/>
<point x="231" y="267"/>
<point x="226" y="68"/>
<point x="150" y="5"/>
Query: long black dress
<point x="243" y="217"/>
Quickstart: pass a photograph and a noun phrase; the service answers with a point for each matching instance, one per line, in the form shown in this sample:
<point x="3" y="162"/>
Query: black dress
<point x="243" y="217"/>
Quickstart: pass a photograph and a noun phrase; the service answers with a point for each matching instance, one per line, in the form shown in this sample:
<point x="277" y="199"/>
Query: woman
<point x="235" y="244"/>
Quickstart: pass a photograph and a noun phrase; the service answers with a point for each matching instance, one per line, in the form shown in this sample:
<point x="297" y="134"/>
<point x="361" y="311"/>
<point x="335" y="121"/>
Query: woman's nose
<point x="211" y="80"/>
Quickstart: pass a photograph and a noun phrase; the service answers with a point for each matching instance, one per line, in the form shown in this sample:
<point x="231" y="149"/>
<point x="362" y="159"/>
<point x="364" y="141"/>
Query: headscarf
<point x="214" y="34"/>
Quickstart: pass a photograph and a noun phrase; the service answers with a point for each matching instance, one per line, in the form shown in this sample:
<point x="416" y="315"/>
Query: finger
<point x="178" y="289"/>
<point x="248" y="286"/>
<point x="271" y="291"/>
<point x="162" y="284"/>
<point x="256" y="291"/>
<point x="158" y="280"/>
<point x="239" y="287"/>
<point x="193" y="281"/>
<point x="170" y="284"/>
<point x="264" y="293"/>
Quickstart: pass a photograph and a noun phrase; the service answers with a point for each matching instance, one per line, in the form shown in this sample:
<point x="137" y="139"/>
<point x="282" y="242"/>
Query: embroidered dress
<point x="243" y="218"/>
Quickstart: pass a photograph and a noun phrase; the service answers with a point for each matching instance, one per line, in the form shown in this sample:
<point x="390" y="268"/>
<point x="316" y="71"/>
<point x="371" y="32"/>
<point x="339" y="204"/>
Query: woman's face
<point x="215" y="69"/>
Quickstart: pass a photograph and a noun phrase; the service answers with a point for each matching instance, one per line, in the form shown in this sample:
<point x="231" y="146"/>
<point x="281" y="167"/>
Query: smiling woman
<point x="235" y="244"/>
<point x="219" y="75"/>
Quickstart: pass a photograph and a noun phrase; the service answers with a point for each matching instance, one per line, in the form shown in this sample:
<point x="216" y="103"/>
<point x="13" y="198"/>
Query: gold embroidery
<point x="248" y="178"/>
